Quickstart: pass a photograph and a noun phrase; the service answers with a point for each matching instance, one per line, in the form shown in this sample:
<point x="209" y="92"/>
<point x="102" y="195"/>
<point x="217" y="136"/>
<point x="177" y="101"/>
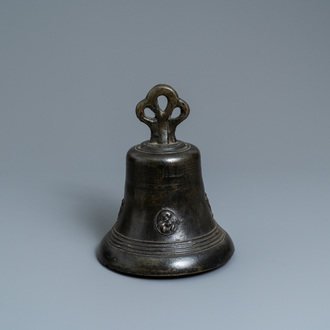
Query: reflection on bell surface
<point x="165" y="226"/>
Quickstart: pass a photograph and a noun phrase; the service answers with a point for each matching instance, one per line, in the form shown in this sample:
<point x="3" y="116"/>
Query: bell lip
<point x="123" y="262"/>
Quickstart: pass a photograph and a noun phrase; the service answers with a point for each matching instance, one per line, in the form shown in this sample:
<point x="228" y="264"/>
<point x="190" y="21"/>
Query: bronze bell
<point x="165" y="225"/>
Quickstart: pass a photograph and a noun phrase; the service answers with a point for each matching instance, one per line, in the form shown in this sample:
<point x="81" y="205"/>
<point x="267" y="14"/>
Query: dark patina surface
<point x="165" y="226"/>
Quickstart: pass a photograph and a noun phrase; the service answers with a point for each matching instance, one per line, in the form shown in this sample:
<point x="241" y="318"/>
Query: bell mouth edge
<point x="167" y="266"/>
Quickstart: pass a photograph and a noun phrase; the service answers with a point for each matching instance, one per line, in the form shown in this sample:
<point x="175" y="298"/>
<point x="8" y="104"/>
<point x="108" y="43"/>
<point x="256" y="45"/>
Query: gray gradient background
<point x="256" y="75"/>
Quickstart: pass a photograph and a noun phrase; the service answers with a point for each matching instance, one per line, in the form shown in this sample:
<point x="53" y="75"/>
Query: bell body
<point x="165" y="226"/>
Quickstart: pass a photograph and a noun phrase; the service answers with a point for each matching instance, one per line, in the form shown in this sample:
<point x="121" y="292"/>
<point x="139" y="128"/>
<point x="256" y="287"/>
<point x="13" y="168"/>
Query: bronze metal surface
<point x="165" y="226"/>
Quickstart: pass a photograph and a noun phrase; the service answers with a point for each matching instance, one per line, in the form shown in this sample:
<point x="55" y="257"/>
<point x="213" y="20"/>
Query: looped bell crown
<point x="162" y="126"/>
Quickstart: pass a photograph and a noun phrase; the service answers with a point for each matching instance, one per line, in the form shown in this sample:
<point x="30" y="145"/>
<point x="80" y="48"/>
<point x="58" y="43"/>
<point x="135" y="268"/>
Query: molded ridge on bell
<point x="165" y="226"/>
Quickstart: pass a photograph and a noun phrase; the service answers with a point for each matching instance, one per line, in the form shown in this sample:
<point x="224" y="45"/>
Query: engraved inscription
<point x="166" y="222"/>
<point x="172" y="172"/>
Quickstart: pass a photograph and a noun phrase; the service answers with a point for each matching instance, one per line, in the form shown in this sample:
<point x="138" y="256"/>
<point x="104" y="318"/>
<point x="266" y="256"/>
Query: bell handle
<point x="162" y="125"/>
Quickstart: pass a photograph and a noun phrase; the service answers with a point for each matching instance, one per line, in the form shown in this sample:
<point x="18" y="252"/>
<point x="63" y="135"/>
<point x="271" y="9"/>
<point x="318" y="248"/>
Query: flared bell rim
<point x="167" y="265"/>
